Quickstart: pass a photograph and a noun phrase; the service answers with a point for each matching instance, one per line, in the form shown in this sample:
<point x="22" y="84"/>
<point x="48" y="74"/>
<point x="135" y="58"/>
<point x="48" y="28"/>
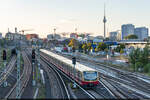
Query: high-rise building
<point x="141" y="32"/>
<point x="127" y="29"/>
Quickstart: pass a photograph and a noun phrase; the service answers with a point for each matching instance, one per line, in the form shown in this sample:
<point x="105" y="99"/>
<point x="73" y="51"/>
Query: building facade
<point x="14" y="36"/>
<point x="50" y="37"/>
<point x="141" y="32"/>
<point x="127" y="29"/>
<point x="1" y="36"/>
<point x="113" y="35"/>
<point x="30" y="36"/>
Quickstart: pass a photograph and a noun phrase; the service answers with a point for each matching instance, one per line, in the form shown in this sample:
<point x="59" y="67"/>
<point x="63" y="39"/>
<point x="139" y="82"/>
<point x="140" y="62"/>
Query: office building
<point x="127" y="29"/>
<point x="141" y="32"/>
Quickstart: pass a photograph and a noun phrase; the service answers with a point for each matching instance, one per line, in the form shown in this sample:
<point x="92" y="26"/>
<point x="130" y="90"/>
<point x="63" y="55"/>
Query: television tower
<point x="104" y="21"/>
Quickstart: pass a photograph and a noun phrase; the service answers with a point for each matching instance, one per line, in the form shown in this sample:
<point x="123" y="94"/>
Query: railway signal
<point x="4" y="58"/>
<point x="33" y="62"/>
<point x="4" y="55"/>
<point x="33" y="54"/>
<point x="74" y="60"/>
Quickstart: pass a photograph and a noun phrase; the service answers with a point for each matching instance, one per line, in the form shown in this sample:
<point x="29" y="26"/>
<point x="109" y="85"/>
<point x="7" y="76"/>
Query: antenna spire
<point x="104" y="21"/>
<point x="104" y="9"/>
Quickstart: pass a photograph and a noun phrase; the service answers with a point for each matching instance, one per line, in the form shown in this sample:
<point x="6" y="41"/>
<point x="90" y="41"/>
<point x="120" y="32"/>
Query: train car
<point x="83" y="75"/>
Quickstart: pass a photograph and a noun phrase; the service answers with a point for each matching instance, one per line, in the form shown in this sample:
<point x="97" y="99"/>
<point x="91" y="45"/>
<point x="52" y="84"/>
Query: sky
<point x="66" y="15"/>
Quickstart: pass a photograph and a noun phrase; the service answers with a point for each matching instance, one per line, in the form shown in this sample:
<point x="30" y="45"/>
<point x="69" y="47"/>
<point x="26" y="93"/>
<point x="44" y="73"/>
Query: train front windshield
<point x="90" y="76"/>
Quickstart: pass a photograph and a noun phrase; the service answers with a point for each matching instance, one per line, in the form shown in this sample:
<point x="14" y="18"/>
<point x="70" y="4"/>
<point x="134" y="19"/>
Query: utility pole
<point x="18" y="67"/>
<point x="18" y="74"/>
<point x="38" y="59"/>
<point x="74" y="63"/>
<point x="33" y="66"/>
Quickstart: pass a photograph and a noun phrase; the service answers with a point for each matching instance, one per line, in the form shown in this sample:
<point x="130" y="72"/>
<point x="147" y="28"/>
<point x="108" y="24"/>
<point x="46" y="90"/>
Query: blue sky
<point x="86" y="15"/>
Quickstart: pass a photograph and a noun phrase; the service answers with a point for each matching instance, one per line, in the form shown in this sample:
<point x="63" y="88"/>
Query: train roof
<point x="78" y="66"/>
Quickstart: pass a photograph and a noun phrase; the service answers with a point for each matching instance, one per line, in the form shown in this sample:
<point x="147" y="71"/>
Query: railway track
<point x="56" y="81"/>
<point x="93" y="94"/>
<point x="57" y="84"/>
<point x="123" y="77"/>
<point x="127" y="93"/>
<point x="23" y="79"/>
<point x="9" y="68"/>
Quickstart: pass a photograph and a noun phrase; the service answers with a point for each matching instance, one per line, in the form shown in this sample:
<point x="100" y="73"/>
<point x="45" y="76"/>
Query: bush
<point x="147" y="68"/>
<point x="138" y="65"/>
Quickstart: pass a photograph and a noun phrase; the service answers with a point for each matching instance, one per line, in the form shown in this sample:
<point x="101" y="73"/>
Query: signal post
<point x="4" y="62"/>
<point x="74" y="63"/>
<point x="33" y="66"/>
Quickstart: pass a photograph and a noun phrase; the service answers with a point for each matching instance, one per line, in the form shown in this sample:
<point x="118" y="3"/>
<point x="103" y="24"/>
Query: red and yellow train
<point x="83" y="75"/>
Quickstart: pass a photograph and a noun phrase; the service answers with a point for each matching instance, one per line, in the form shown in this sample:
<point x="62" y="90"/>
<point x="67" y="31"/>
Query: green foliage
<point x="140" y="58"/>
<point x="147" y="68"/>
<point x="73" y="43"/>
<point x="80" y="47"/>
<point x="132" y="36"/>
<point x="106" y="50"/>
<point x="120" y="47"/>
<point x="138" y="65"/>
<point x="2" y="42"/>
<point x="81" y="35"/>
<point x="101" y="46"/>
<point x="89" y="46"/>
<point x="84" y="47"/>
<point x="121" y="51"/>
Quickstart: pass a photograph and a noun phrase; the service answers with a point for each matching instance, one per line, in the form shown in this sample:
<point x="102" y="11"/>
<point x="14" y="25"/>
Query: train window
<point x="90" y="76"/>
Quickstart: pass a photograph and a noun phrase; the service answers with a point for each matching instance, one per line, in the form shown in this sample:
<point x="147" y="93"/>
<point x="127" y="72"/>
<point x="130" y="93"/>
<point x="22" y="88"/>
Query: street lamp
<point x="74" y="63"/>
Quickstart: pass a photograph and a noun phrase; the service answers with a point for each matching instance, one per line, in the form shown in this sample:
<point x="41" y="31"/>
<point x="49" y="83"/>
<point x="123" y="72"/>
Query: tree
<point x="138" y="65"/>
<point x="132" y="36"/>
<point x="102" y="46"/>
<point x="140" y="56"/>
<point x="119" y="47"/>
<point x="89" y="46"/>
<point x="2" y="42"/>
<point x="122" y="46"/>
<point x="147" y="68"/>
<point x="81" y="35"/>
<point x="84" y="47"/>
<point x="106" y="50"/>
<point x="121" y="51"/>
<point x="73" y="43"/>
<point x="80" y="47"/>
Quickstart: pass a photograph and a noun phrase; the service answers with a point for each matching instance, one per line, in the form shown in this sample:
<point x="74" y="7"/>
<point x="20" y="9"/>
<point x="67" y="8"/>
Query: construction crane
<point x="25" y="30"/>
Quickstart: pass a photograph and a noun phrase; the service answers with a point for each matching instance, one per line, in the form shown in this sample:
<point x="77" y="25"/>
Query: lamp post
<point x="74" y="63"/>
<point x="18" y="69"/>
